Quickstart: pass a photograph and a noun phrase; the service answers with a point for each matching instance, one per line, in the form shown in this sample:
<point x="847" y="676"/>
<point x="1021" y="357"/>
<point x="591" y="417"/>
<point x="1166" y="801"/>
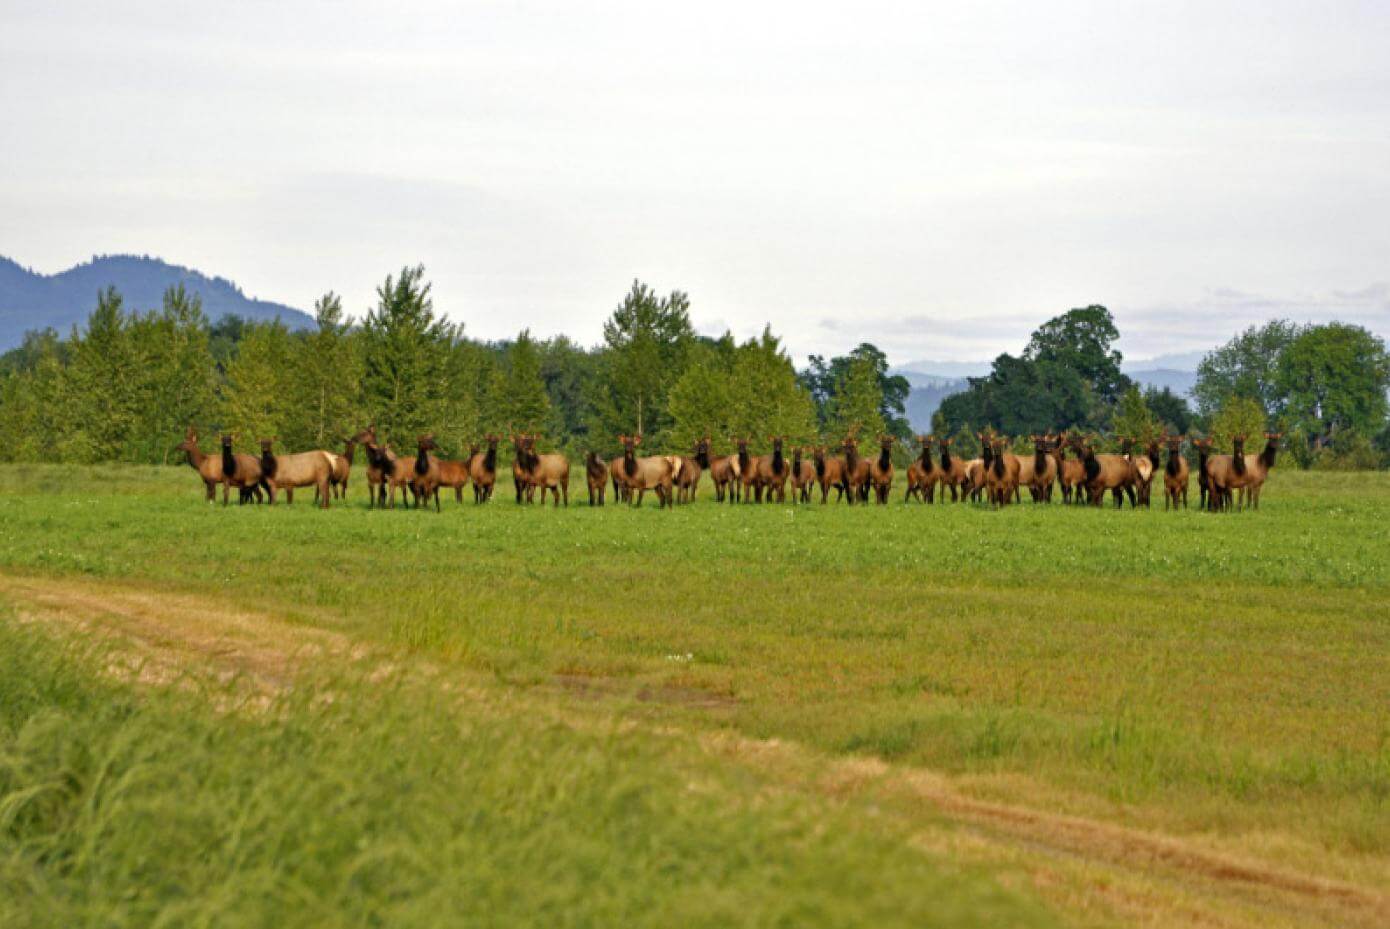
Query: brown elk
<point x="305" y="469"/>
<point x="425" y="468"/>
<point x="1071" y="472"/>
<point x="1002" y="476"/>
<point x="856" y="472"/>
<point x="1226" y="474"/>
<point x="244" y="472"/>
<point x="881" y="469"/>
<point x="803" y="475"/>
<point x="549" y="472"/>
<point x="596" y="475"/>
<point x="745" y="474"/>
<point x="724" y="472"/>
<point x="951" y="469"/>
<point x="209" y="467"/>
<point x="977" y="469"/>
<point x="1175" y="474"/>
<point x="692" y="466"/>
<point x="520" y="473"/>
<point x="482" y="470"/>
<point x="656" y="473"/>
<point x="771" y="472"/>
<point x="1203" y="447"/>
<point x="1114" y="473"/>
<point x="1038" y="471"/>
<point x="1146" y="467"/>
<point x="380" y="465"/>
<point x="342" y="467"/>
<point x="454" y="473"/>
<point x="830" y="472"/>
<point x="922" y="474"/>
<point x="1258" y="468"/>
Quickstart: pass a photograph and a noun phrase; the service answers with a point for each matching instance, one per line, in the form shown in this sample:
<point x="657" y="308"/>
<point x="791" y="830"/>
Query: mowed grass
<point x="1221" y="676"/>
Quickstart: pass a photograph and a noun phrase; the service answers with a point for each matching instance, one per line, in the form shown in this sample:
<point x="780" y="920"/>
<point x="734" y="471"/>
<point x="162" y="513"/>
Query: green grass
<point x="1219" y="675"/>
<point x="388" y="806"/>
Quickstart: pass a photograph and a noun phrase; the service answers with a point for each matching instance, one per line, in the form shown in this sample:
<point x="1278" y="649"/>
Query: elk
<point x="977" y="469"/>
<point x="1227" y="474"/>
<point x="426" y="470"/>
<point x="482" y="470"/>
<point x="745" y="475"/>
<point x="548" y="472"/>
<point x="655" y="473"/>
<point x="1145" y="467"/>
<point x="1002" y="476"/>
<point x="1071" y="473"/>
<point x="1258" y="467"/>
<point x="342" y="467"/>
<point x="856" y="472"/>
<point x="951" y="469"/>
<point x="1038" y="471"/>
<point x="520" y="473"/>
<point x="692" y="466"/>
<point x="830" y="472"/>
<point x="922" y="474"/>
<point x="724" y="472"/>
<point x="803" y="476"/>
<point x="305" y="469"/>
<point x="380" y="465"/>
<point x="243" y="472"/>
<point x="1203" y="447"/>
<point x="771" y="472"/>
<point x="1175" y="474"/>
<point x="881" y="469"/>
<point x="454" y="473"/>
<point x="596" y="474"/>
<point x="209" y="467"/>
<point x="1114" y="473"/>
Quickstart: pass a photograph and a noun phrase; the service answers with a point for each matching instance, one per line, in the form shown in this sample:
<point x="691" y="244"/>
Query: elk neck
<point x="1173" y="466"/>
<point x="422" y="460"/>
<point x="267" y="463"/>
<point x="883" y="460"/>
<point x="228" y="462"/>
<point x="629" y="461"/>
<point x="1267" y="456"/>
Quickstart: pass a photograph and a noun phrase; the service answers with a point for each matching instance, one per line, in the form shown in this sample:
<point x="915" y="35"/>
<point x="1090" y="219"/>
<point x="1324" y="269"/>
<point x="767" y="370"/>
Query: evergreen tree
<point x="648" y="338"/>
<point x="700" y="403"/>
<point x="1134" y="420"/>
<point x="766" y="398"/>
<point x="104" y="376"/>
<point x="327" y="379"/>
<point x="257" y="400"/>
<point x="856" y="403"/>
<point x="404" y="349"/>
<point x="179" y="385"/>
<point x="524" y="403"/>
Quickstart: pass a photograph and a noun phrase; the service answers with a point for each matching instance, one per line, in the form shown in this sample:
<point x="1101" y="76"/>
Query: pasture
<point x="750" y="714"/>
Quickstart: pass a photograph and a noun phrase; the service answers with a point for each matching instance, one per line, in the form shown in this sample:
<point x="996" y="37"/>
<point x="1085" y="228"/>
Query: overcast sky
<point x="934" y="178"/>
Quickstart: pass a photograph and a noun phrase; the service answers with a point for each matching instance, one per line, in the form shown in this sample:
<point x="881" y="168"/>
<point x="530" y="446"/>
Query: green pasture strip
<point x="1212" y="671"/>
<point x="395" y="804"/>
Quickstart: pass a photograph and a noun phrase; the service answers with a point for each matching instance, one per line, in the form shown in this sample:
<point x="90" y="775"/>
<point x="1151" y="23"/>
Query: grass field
<point x="767" y="715"/>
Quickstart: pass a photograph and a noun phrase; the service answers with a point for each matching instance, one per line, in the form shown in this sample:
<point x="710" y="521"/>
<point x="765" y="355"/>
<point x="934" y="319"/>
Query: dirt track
<point x="1095" y="872"/>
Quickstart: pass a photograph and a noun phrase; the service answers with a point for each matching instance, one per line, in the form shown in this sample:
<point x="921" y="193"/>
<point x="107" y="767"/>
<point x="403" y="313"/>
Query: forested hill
<point x="31" y="301"/>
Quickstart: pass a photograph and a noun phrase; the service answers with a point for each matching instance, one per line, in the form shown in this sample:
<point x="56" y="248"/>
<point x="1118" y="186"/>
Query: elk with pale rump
<point x="305" y="469"/>
<point x="1071" y="472"/>
<point x="922" y="474"/>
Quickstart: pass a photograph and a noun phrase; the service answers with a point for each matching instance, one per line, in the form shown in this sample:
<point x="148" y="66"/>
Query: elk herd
<point x="998" y="476"/>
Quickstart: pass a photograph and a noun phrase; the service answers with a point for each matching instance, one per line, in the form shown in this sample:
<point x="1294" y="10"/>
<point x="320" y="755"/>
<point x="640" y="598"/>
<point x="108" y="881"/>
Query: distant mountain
<point x="29" y="300"/>
<point x="1180" y="382"/>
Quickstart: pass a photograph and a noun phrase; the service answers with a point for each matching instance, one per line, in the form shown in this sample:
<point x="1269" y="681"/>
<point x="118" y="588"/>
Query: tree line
<point x="1323" y="386"/>
<point x="126" y="385"/>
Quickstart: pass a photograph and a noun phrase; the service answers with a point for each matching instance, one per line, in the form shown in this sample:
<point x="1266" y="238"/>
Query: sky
<point x="936" y="178"/>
